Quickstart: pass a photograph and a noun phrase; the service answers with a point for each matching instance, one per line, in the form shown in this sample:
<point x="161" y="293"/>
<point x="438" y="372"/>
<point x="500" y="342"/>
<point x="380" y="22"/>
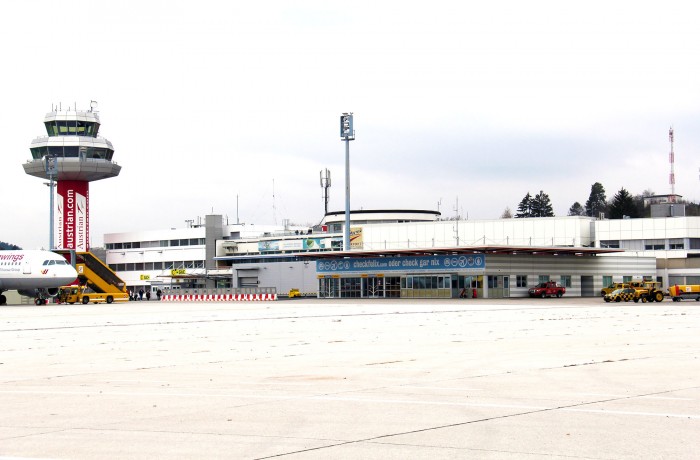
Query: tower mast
<point x="671" y="160"/>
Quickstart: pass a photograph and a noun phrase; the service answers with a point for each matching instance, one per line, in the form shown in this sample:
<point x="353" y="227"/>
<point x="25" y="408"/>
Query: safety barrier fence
<point x="218" y="297"/>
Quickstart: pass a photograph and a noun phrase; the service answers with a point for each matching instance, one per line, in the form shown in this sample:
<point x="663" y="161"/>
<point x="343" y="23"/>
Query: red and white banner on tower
<point x="73" y="223"/>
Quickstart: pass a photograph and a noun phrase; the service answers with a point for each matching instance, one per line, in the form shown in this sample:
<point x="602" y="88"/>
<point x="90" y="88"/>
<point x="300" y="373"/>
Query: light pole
<point x="51" y="167"/>
<point x="347" y="133"/>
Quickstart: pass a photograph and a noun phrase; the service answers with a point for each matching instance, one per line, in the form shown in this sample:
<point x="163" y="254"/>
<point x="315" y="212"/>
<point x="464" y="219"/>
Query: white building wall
<point x="545" y="231"/>
<point x="282" y="275"/>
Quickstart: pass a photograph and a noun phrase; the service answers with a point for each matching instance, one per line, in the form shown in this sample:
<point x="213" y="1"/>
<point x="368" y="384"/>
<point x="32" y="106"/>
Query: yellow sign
<point x="178" y="271"/>
<point x="145" y="277"/>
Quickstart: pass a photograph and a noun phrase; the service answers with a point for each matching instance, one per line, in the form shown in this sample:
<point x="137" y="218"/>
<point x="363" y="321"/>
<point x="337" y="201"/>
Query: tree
<point x="623" y="205"/>
<point x="541" y="206"/>
<point x="8" y="247"/>
<point x="576" y="210"/>
<point x="507" y="214"/>
<point x="692" y="209"/>
<point x="524" y="207"/>
<point x="596" y="200"/>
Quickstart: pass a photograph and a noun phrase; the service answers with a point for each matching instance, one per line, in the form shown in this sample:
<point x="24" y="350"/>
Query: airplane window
<point x="52" y="262"/>
<point x="46" y="262"/>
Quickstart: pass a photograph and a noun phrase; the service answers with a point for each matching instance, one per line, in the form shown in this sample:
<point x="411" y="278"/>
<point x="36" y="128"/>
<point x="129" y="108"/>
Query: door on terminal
<point x="499" y="286"/>
<point x="372" y="287"/>
<point x="329" y="287"/>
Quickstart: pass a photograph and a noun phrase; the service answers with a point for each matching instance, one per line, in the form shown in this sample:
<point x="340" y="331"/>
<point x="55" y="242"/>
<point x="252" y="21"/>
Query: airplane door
<point x="26" y="267"/>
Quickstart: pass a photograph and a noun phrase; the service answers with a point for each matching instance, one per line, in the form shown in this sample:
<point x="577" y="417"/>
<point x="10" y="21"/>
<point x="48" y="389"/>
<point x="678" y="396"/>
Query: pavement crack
<point x="471" y="422"/>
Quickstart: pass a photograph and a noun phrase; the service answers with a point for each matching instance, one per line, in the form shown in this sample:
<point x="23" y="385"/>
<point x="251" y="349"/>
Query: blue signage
<point x="459" y="263"/>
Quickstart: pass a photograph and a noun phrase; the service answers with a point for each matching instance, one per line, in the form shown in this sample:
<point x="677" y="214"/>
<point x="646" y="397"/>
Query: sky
<point x="232" y="107"/>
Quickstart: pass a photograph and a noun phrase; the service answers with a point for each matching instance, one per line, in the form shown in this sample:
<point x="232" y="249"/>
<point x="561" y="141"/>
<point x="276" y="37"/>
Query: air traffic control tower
<point x="73" y="155"/>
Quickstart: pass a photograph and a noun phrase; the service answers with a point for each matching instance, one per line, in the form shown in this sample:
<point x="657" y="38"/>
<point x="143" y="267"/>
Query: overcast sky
<point x="454" y="101"/>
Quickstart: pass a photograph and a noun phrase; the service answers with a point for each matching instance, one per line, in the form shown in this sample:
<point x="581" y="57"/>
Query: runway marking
<point x="670" y="398"/>
<point x="569" y="408"/>
<point x="440" y="388"/>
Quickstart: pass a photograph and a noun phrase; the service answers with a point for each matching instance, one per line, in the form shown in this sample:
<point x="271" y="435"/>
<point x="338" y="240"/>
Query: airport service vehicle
<point x="294" y="292"/>
<point x="36" y="274"/>
<point x="85" y="295"/>
<point x="648" y="291"/>
<point x="614" y="286"/>
<point x="624" y="294"/>
<point x="679" y="292"/>
<point x="547" y="289"/>
<point x="96" y="281"/>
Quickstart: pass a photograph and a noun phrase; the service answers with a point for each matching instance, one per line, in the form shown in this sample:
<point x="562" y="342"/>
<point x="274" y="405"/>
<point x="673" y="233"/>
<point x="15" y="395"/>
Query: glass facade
<point x="73" y="151"/>
<point x="71" y="128"/>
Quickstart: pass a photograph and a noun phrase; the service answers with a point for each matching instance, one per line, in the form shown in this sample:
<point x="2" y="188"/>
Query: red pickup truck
<point x="547" y="289"/>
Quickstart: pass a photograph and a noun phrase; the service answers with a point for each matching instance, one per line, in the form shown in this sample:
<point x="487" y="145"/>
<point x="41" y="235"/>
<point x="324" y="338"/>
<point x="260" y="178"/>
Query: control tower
<point x="73" y="155"/>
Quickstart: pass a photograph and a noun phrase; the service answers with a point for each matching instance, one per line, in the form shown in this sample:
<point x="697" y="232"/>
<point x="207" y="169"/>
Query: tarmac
<point x="348" y="379"/>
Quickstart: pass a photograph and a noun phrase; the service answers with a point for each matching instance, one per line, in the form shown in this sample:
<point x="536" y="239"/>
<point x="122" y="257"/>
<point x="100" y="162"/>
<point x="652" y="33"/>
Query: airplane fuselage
<point x="23" y="270"/>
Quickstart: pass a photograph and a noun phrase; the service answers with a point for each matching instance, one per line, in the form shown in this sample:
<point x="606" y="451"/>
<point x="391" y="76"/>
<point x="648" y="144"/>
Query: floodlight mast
<point x="51" y="168"/>
<point x="347" y="133"/>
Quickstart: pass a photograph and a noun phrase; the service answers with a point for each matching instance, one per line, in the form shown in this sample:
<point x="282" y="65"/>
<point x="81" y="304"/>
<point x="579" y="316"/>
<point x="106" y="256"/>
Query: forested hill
<point x="7" y="246"/>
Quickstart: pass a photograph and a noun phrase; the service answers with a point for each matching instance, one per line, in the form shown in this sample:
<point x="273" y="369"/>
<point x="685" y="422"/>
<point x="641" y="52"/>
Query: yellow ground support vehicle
<point x="98" y="282"/>
<point x="619" y="295"/>
<point x="294" y="292"/>
<point x="609" y="289"/>
<point x="649" y="291"/>
<point x="81" y="294"/>
<point x="684" y="291"/>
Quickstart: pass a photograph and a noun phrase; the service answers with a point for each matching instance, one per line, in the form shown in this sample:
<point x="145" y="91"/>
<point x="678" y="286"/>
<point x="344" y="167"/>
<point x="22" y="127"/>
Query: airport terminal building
<point x="411" y="254"/>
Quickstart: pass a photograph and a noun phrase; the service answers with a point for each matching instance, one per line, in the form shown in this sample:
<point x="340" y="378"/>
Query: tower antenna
<point x="325" y="185"/>
<point x="671" y="160"/>
<point x="274" y="208"/>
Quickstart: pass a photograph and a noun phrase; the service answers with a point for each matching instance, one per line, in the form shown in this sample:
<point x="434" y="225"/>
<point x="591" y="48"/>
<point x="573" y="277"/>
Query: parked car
<point x="614" y="286"/>
<point x="547" y="289"/>
<point x="626" y="294"/>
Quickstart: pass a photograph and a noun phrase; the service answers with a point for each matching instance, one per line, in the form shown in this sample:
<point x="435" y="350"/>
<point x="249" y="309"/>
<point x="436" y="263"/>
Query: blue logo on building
<point x="458" y="263"/>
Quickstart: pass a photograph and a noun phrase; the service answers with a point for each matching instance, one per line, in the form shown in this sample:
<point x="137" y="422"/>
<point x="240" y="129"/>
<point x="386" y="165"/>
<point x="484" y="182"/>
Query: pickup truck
<point x="547" y="289"/>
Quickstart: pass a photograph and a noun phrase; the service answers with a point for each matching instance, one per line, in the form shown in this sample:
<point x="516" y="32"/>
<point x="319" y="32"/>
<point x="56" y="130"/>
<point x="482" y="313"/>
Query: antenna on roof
<point x="325" y="184"/>
<point x="672" y="175"/>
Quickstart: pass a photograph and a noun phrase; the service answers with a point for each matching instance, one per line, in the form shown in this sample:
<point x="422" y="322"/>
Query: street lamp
<point x="347" y="133"/>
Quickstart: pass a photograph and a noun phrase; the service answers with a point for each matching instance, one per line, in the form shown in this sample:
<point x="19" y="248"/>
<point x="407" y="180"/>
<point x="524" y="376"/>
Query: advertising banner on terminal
<point x="475" y="263"/>
<point x="297" y="244"/>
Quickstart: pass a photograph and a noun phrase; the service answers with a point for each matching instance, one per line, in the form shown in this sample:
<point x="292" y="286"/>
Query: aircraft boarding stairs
<point x="92" y="272"/>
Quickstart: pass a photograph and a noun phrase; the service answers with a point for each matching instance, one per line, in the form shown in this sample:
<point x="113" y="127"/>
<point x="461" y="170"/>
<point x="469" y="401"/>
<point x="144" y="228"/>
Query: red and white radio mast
<point x="671" y="159"/>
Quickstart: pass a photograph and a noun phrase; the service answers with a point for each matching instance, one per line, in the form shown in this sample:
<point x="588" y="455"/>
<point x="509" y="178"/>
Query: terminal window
<point x="566" y="280"/>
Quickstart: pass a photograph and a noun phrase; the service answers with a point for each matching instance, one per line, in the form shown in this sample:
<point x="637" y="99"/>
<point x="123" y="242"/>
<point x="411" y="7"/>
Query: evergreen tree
<point x="541" y="206"/>
<point x="596" y="200"/>
<point x="576" y="210"/>
<point x="524" y="207"/>
<point x="8" y="247"/>
<point x="507" y="214"/>
<point x="623" y="204"/>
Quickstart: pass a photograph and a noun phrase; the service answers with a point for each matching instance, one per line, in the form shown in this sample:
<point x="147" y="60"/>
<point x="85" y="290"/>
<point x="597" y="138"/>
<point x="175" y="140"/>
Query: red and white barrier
<point x="218" y="297"/>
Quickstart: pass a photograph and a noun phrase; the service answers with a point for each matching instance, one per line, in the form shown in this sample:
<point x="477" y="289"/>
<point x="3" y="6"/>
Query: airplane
<point x="36" y="274"/>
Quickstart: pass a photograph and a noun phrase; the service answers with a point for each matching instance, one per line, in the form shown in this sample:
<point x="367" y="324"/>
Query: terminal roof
<point x="463" y="250"/>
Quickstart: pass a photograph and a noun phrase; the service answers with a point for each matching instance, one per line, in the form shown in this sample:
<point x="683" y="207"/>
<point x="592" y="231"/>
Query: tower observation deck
<point x="74" y="155"/>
